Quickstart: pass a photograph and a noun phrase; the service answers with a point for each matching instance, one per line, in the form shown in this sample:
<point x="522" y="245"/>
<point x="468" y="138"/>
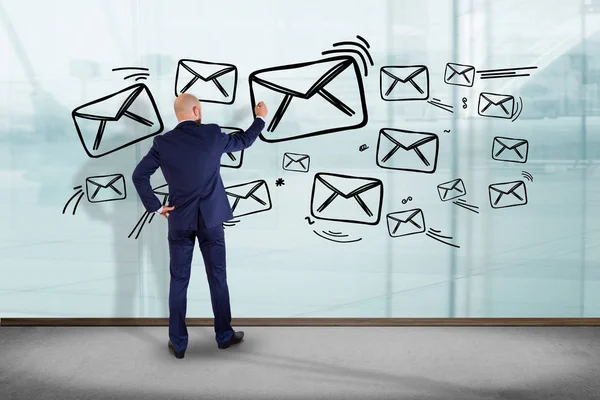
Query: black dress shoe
<point x="172" y="348"/>
<point x="235" y="339"/>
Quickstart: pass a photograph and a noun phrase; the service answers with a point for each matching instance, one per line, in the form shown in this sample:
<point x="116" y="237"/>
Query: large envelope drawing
<point x="296" y="162"/>
<point x="508" y="194"/>
<point x="118" y="120"/>
<point x="209" y="81"/>
<point x="496" y="105"/>
<point x="404" y="223"/>
<point x="451" y="190"/>
<point x="232" y="160"/>
<point x="249" y="198"/>
<point x="312" y="98"/>
<point x="459" y="74"/>
<point x="103" y="188"/>
<point x="346" y="198"/>
<point x="510" y="149"/>
<point x="404" y="83"/>
<point x="407" y="150"/>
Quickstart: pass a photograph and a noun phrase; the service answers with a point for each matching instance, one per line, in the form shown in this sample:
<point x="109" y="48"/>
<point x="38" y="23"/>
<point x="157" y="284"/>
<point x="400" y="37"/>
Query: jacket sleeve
<point x="241" y="141"/>
<point x="141" y="178"/>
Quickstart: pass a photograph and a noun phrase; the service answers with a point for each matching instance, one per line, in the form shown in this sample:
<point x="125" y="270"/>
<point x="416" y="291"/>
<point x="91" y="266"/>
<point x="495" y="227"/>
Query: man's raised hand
<point x="261" y="110"/>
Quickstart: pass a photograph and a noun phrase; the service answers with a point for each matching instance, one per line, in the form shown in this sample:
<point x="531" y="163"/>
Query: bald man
<point x="190" y="157"/>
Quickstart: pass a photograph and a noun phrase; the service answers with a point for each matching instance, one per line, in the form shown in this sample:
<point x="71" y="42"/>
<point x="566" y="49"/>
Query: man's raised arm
<point x="241" y="141"/>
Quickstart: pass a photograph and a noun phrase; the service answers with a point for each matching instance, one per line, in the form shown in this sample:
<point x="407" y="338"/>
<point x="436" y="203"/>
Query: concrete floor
<point x="303" y="363"/>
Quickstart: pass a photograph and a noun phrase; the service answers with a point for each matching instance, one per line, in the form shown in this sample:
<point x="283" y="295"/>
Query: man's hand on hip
<point x="165" y="211"/>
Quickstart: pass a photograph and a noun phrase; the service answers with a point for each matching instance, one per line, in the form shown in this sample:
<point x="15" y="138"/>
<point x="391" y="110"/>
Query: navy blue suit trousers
<point x="181" y="248"/>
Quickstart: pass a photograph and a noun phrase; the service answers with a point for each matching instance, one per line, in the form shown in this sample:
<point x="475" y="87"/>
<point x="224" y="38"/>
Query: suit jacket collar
<point x="183" y="123"/>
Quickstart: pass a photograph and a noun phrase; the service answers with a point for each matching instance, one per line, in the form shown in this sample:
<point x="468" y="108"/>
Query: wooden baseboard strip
<point x="309" y="322"/>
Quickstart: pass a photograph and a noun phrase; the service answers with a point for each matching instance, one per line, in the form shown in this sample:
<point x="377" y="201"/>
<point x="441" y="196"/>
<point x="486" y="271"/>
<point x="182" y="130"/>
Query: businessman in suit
<point x="189" y="157"/>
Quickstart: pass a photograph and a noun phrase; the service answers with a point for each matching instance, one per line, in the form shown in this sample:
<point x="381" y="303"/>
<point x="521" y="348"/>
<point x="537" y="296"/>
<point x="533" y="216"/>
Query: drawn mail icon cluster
<point x="412" y="83"/>
<point x="327" y="92"/>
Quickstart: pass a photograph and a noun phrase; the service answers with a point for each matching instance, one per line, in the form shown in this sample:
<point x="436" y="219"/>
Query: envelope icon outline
<point x="510" y="149"/>
<point x="404" y="223"/>
<point x="459" y="75"/>
<point x="296" y="162"/>
<point x="92" y="141"/>
<point x="249" y="198"/>
<point x="208" y="73"/>
<point x="413" y="80"/>
<point x="493" y="105"/>
<point x="337" y="190"/>
<point x="412" y="151"/>
<point x="102" y="188"/>
<point x="451" y="190"/>
<point x="232" y="160"/>
<point x="318" y="89"/>
<point x="508" y="194"/>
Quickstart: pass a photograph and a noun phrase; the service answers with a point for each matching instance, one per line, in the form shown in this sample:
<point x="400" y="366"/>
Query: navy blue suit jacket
<point x="190" y="159"/>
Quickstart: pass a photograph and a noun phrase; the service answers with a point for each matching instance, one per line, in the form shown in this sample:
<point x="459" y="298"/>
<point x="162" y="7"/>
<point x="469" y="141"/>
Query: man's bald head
<point x="187" y="106"/>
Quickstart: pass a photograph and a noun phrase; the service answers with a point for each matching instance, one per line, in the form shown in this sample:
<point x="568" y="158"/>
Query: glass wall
<point x="460" y="136"/>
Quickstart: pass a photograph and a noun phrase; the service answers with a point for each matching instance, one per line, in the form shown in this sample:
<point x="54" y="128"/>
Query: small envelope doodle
<point x="404" y="223"/>
<point x="404" y="83"/>
<point x="212" y="82"/>
<point x="407" y="151"/>
<point x="296" y="162"/>
<point x="510" y="149"/>
<point x="249" y="198"/>
<point x="347" y="198"/>
<point x="331" y="86"/>
<point x="508" y="194"/>
<point x="451" y="190"/>
<point x="496" y="105"/>
<point x="232" y="160"/>
<point x="118" y="120"/>
<point x="105" y="188"/>
<point x="459" y="75"/>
